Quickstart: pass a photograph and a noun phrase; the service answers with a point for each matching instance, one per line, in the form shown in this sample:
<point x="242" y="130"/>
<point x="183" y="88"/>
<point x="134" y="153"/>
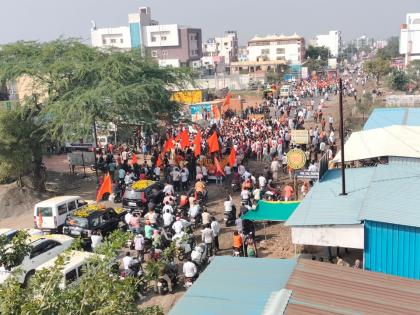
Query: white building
<point x="332" y="41"/>
<point x="410" y="38"/>
<point x="290" y="49"/>
<point x="219" y="50"/>
<point x="171" y="44"/>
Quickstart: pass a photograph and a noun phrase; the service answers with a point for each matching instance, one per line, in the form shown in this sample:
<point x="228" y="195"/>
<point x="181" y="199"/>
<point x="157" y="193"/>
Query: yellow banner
<point x="187" y="97"/>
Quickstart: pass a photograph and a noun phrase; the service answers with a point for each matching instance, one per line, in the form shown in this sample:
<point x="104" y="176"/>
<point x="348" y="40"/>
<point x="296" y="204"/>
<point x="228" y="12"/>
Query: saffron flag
<point x="159" y="161"/>
<point x="213" y="143"/>
<point x="218" y="166"/>
<point x="106" y="187"/>
<point x="185" y="139"/>
<point x="169" y="144"/>
<point x="227" y="100"/>
<point x="197" y="144"/>
<point x="232" y="157"/>
<point x="215" y="111"/>
<point x="133" y="159"/>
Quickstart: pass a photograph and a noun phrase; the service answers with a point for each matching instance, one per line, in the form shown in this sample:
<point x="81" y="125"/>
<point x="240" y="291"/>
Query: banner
<point x="300" y="136"/>
<point x="187" y="97"/>
<point x="296" y="159"/>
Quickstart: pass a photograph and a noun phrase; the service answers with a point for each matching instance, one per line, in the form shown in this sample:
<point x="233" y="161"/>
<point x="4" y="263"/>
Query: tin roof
<point x="386" y="193"/>
<point x="235" y="285"/>
<point x="323" y="288"/>
<point x="384" y="117"/>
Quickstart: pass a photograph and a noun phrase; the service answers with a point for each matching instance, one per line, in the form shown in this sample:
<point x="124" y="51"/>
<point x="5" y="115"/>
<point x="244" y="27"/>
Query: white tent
<point x="397" y="140"/>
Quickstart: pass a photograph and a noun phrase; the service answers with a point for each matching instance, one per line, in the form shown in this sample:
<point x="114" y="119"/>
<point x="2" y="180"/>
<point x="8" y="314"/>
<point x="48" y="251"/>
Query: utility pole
<point x="95" y="151"/>
<point x="343" y="166"/>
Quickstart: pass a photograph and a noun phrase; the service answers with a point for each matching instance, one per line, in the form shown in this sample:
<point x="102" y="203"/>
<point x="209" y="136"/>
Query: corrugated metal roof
<point x="384" y="117"/>
<point x="323" y="288"/>
<point x="324" y="206"/>
<point x="393" y="196"/>
<point x="386" y="193"/>
<point x="233" y="285"/>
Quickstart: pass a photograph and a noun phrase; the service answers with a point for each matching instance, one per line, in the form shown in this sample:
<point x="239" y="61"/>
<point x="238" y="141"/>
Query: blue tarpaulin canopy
<point x="271" y="211"/>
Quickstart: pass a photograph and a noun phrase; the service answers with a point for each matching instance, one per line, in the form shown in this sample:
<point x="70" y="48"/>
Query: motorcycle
<point x="162" y="283"/>
<point x="199" y="256"/>
<point x="135" y="270"/>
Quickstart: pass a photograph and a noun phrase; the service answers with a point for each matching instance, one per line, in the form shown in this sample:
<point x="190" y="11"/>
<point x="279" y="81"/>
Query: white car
<point x="9" y="233"/>
<point x="43" y="249"/>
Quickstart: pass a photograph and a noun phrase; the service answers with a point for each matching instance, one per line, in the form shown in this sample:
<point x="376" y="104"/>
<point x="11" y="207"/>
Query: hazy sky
<point x="48" y="19"/>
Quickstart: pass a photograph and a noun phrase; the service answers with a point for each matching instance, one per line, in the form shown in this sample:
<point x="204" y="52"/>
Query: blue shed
<point x="385" y="117"/>
<point x="392" y="249"/>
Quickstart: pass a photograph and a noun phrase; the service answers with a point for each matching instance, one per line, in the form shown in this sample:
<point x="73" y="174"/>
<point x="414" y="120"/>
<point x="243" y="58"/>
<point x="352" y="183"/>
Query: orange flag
<point x="215" y="111"/>
<point x="169" y="144"/>
<point x="133" y="159"/>
<point x="218" y="166"/>
<point x="106" y="187"/>
<point x="197" y="144"/>
<point x="185" y="139"/>
<point x="227" y="100"/>
<point x="159" y="161"/>
<point x="232" y="157"/>
<point x="213" y="143"/>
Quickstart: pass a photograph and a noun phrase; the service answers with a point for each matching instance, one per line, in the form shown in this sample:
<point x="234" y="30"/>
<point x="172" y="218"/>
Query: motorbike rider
<point x="189" y="269"/>
<point x="178" y="226"/>
<point x="194" y="210"/>
<point x="168" y="218"/>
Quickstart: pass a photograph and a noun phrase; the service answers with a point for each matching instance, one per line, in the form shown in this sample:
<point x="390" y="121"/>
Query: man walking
<point x="207" y="238"/>
<point x="215" y="226"/>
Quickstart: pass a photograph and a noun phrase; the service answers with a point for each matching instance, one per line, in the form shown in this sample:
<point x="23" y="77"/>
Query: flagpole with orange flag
<point x="213" y="143"/>
<point x="106" y="187"/>
<point x="218" y="166"/>
<point x="197" y="144"/>
<point x="232" y="157"/>
<point x="185" y="139"/>
<point x="227" y="100"/>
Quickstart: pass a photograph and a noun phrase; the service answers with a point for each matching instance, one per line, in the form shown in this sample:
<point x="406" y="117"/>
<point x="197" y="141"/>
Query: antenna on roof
<point x="343" y="165"/>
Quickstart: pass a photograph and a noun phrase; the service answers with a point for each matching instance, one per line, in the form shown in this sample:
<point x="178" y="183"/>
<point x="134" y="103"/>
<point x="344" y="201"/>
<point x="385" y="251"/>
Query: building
<point x="410" y="38"/>
<point x="332" y="41"/>
<point x="171" y="44"/>
<point x="243" y="54"/>
<point x="250" y="286"/>
<point x="363" y="42"/>
<point x="219" y="52"/>
<point x="290" y="49"/>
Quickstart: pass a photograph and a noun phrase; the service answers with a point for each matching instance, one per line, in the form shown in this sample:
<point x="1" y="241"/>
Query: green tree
<point x="20" y="151"/>
<point x="398" y="80"/>
<point x="99" y="291"/>
<point x="313" y="52"/>
<point x="315" y="65"/>
<point x="77" y="86"/>
<point x="391" y="50"/>
<point x="377" y="67"/>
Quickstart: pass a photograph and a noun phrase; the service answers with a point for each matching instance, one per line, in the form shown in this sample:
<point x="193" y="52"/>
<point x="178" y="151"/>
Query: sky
<point x="46" y="20"/>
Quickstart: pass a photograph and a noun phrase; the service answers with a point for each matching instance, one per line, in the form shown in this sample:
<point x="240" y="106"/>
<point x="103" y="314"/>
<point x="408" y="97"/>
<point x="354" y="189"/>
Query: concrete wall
<point x="347" y="236"/>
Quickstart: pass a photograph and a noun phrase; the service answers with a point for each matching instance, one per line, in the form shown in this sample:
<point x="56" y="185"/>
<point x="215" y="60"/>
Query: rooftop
<point x="385" y="117"/>
<point x="274" y="37"/>
<point x="386" y="193"/>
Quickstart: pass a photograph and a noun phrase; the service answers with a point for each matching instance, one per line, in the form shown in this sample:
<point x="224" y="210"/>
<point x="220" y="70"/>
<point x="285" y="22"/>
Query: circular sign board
<point x="296" y="159"/>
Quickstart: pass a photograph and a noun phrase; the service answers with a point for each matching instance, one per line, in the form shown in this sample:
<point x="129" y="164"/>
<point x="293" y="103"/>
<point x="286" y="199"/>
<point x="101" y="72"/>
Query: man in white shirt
<point x="168" y="189"/>
<point x="275" y="167"/>
<point x="127" y="260"/>
<point x="215" y="227"/>
<point x="189" y="269"/>
<point x="313" y="167"/>
<point x="194" y="210"/>
<point x="245" y="194"/>
<point x="167" y="207"/>
<point x="184" y="178"/>
<point x="228" y="204"/>
<point x="127" y="218"/>
<point x="262" y="181"/>
<point x="177" y="226"/>
<point x="96" y="239"/>
<point x="207" y="238"/>
<point x="206" y="217"/>
<point x="168" y="218"/>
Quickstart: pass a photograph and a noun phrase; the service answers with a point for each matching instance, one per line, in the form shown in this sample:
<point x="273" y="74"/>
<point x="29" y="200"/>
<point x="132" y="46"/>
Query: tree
<point x="391" y="50"/>
<point x="315" y="65"/>
<point x="20" y="150"/>
<point x="398" y="80"/>
<point x="99" y="291"/>
<point x="377" y="67"/>
<point x="77" y="86"/>
<point x="315" y="53"/>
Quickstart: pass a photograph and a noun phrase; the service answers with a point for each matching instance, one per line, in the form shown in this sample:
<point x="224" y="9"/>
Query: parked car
<point x="8" y="233"/>
<point x="73" y="267"/>
<point x="140" y="194"/>
<point x="50" y="214"/>
<point x="43" y="248"/>
<point x="84" y="221"/>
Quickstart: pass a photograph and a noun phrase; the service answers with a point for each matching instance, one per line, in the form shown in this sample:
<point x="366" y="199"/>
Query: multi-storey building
<point x="290" y="49"/>
<point x="332" y="41"/>
<point x="171" y="44"/>
<point x="410" y="38"/>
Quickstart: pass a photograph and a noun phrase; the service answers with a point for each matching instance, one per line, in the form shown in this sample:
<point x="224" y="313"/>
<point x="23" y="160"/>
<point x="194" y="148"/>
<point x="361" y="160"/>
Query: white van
<point x="73" y="268"/>
<point x="51" y="214"/>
